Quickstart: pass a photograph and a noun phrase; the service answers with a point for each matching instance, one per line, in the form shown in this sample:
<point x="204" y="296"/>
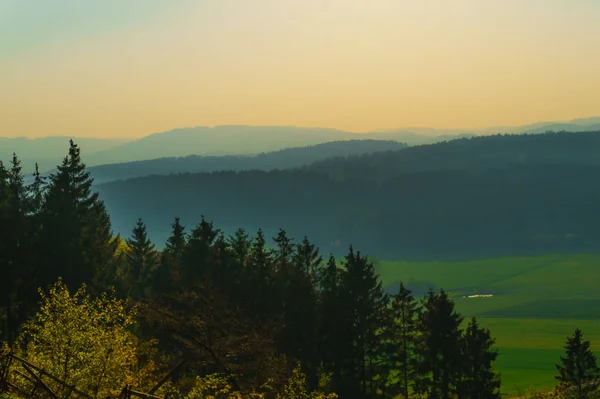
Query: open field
<point x="537" y="302"/>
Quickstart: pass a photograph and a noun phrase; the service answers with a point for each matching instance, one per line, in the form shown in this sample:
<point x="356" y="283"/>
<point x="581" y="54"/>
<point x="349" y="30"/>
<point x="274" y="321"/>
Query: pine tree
<point x="300" y="308"/>
<point x="166" y="277"/>
<point x="36" y="192"/>
<point x="196" y="262"/>
<point x="307" y="257"/>
<point x="14" y="262"/>
<point x="578" y="368"/>
<point x="438" y="347"/>
<point x="404" y="310"/>
<point x="332" y="322"/>
<point x="142" y="259"/>
<point x="362" y="294"/>
<point x="479" y="379"/>
<point x="240" y="246"/>
<point x="77" y="237"/>
<point x="259" y="279"/>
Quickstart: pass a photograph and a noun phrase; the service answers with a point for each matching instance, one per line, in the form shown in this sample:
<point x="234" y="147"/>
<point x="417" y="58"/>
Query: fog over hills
<point x="242" y="140"/>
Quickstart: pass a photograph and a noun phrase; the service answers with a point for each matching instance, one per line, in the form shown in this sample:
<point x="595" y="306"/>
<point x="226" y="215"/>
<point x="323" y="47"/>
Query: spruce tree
<point x="363" y="296"/>
<point x="259" y="279"/>
<point x="195" y="261"/>
<point x="578" y="368"/>
<point x="36" y="192"/>
<point x="15" y="249"/>
<point x="404" y="311"/>
<point x="142" y="259"/>
<point x="240" y="246"/>
<point x="309" y="260"/>
<point x="438" y="347"/>
<point x="168" y="273"/>
<point x="479" y="379"/>
<point x="333" y="317"/>
<point x="77" y="237"/>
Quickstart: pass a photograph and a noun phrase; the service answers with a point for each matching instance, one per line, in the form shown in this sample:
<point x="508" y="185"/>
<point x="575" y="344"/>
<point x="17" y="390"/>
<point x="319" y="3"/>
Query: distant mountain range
<point x="283" y="159"/>
<point x="242" y="140"/>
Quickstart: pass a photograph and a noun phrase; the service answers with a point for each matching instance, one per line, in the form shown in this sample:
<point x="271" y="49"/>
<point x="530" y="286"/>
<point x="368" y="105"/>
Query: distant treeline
<point x="484" y="196"/>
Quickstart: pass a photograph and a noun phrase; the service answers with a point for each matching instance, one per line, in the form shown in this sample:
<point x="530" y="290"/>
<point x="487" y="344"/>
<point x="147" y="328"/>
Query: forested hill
<point x="506" y="195"/>
<point x="282" y="159"/>
<point x="471" y="154"/>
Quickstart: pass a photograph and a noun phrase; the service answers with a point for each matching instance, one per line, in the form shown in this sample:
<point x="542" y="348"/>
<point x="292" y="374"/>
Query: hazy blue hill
<point x="473" y="154"/>
<point x="485" y="196"/>
<point x="566" y="127"/>
<point x="49" y="151"/>
<point x="282" y="159"/>
<point x="219" y="140"/>
<point x="244" y="140"/>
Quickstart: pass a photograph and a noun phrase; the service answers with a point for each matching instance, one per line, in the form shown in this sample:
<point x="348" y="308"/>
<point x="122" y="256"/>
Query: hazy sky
<point x="129" y="68"/>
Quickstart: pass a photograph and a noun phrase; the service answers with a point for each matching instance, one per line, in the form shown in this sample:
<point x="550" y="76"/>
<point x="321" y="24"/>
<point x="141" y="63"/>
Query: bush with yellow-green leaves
<point x="87" y="342"/>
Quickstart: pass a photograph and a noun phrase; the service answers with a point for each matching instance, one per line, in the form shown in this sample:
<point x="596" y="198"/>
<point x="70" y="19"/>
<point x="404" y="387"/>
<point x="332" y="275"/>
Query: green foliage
<point x="84" y="341"/>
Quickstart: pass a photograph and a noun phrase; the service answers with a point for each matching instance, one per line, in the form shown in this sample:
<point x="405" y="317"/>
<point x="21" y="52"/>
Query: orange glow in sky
<point x="71" y="67"/>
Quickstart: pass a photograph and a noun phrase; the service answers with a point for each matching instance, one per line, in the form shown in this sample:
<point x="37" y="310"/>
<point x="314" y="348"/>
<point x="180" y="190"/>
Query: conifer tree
<point x="258" y="279"/>
<point x="578" y="368"/>
<point x="36" y="192"/>
<point x="14" y="264"/>
<point x="332" y="322"/>
<point x="438" y="347"/>
<point x="309" y="260"/>
<point x="363" y="296"/>
<point x="77" y="237"/>
<point x="404" y="311"/>
<point x="240" y="246"/>
<point x="196" y="256"/>
<point x="479" y="380"/>
<point x="168" y="273"/>
<point x="142" y="259"/>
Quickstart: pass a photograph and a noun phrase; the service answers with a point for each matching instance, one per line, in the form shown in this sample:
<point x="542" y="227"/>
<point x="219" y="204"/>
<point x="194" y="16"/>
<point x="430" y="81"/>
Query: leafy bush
<point x="84" y="341"/>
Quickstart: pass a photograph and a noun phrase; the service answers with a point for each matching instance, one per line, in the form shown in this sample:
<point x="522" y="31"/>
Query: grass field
<point x="537" y="302"/>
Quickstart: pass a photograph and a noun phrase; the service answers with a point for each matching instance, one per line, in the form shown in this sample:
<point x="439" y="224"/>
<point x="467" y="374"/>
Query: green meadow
<point x="535" y="303"/>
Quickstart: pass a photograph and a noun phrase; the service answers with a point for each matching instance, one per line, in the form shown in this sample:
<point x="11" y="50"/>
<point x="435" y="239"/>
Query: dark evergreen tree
<point x="438" y="347"/>
<point x="15" y="265"/>
<point x="300" y="308"/>
<point x="168" y="273"/>
<point x="479" y="379"/>
<point x="332" y="346"/>
<point x="142" y="259"/>
<point x="240" y="246"/>
<point x="578" y="368"/>
<point x="77" y="237"/>
<point x="362" y="294"/>
<point x="309" y="260"/>
<point x="403" y="328"/>
<point x="195" y="261"/>
<point x="36" y="192"/>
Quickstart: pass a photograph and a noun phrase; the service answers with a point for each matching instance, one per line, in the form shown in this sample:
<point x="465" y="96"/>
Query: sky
<point x="129" y="68"/>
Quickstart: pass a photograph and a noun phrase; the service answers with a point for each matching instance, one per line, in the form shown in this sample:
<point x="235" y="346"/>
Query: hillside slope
<point x="501" y="195"/>
<point x="282" y="159"/>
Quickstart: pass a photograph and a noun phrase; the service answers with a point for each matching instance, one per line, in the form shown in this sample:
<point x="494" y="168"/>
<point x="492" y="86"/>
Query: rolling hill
<point x="282" y="159"/>
<point x="467" y="198"/>
<point x="244" y="140"/>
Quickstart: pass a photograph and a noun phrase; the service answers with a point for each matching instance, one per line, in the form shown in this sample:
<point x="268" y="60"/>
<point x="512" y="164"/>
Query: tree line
<point x="234" y="307"/>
